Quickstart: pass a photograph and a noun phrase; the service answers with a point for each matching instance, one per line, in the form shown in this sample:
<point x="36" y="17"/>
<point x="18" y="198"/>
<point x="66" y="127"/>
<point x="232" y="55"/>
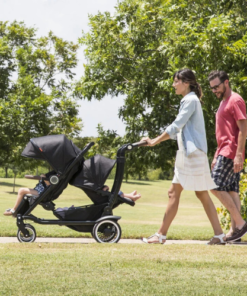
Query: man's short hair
<point x="222" y="75"/>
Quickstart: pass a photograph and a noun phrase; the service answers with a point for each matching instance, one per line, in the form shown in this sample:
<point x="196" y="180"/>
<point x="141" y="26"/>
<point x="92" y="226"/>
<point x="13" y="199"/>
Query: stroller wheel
<point x="27" y="239"/>
<point x="107" y="231"/>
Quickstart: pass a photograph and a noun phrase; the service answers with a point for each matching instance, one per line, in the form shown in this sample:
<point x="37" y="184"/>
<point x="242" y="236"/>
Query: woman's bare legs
<point x="20" y="195"/>
<point x="210" y="210"/>
<point x="174" y="193"/>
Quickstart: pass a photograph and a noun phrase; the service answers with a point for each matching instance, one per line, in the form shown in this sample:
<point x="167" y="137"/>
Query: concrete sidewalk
<point x="91" y="240"/>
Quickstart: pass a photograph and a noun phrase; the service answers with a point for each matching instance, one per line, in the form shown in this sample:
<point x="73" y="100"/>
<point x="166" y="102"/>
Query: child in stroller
<point x="44" y="183"/>
<point x="36" y="191"/>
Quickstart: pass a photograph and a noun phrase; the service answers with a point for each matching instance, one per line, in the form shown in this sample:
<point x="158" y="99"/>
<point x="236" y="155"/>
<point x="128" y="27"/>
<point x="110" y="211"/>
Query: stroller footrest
<point x="126" y="200"/>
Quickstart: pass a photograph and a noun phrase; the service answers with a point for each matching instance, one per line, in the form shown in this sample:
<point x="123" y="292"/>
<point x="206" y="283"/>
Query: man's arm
<point x="238" y="160"/>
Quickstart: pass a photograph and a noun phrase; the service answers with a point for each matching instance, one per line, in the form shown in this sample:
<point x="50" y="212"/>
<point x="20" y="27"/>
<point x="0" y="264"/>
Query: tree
<point x="35" y="88"/>
<point x="107" y="144"/>
<point x="136" y="51"/>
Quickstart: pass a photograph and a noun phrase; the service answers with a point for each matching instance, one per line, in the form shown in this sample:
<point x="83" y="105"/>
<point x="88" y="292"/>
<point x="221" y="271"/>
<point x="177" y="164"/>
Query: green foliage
<point x="136" y="51"/>
<point x="224" y="215"/>
<point x="154" y="175"/>
<point x="35" y="81"/>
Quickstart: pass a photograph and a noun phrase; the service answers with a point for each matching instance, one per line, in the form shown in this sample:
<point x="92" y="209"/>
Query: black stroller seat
<point x="91" y="179"/>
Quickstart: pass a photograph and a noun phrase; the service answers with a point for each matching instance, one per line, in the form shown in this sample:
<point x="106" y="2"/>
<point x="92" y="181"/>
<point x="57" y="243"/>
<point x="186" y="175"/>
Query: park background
<point x="129" y="56"/>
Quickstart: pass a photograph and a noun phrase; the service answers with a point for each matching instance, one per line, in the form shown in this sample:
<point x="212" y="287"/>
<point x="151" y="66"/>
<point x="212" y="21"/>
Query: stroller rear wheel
<point x="31" y="234"/>
<point x="107" y="231"/>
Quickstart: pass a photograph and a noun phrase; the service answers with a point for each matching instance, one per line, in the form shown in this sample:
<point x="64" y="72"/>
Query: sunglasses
<point x="216" y="86"/>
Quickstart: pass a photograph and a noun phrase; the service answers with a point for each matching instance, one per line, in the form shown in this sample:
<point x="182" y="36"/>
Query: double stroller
<point x="70" y="167"/>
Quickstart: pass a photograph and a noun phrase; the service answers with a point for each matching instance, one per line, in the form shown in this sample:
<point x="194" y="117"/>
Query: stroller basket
<point x="83" y="213"/>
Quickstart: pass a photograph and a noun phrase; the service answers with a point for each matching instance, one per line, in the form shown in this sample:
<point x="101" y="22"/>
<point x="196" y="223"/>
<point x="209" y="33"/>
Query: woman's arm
<point x="152" y="142"/>
<point x="187" y="109"/>
<point x="185" y="112"/>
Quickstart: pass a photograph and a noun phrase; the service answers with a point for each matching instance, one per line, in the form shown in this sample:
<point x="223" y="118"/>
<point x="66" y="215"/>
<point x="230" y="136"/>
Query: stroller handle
<point x="139" y="144"/>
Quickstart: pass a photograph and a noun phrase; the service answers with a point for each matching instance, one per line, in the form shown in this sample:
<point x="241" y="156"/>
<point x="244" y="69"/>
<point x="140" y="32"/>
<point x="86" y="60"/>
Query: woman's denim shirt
<point x="191" y="121"/>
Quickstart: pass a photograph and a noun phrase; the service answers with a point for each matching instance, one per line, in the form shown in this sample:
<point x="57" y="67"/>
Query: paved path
<point x="91" y="240"/>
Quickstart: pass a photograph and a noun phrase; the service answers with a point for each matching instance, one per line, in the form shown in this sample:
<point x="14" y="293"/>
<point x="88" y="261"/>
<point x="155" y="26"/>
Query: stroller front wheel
<point x="107" y="231"/>
<point x="31" y="234"/>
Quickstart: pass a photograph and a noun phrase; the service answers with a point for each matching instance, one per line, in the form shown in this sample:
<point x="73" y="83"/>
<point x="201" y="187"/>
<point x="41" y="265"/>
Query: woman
<point x="191" y="165"/>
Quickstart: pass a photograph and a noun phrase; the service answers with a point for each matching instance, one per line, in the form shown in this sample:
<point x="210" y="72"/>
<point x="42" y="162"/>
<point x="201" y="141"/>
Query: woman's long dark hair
<point x="186" y="75"/>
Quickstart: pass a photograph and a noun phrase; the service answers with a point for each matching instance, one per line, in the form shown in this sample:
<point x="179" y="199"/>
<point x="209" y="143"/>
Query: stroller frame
<point x="104" y="230"/>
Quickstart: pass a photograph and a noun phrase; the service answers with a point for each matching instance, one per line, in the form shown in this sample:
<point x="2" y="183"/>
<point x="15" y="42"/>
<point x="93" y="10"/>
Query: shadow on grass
<point x="137" y="183"/>
<point x="11" y="192"/>
<point x="10" y="184"/>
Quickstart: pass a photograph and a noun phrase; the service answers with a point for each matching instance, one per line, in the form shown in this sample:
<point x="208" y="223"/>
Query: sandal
<point x="9" y="212"/>
<point x="159" y="236"/>
<point x="217" y="240"/>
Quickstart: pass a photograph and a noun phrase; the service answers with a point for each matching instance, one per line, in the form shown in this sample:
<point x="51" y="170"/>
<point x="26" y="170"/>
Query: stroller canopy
<point x="57" y="150"/>
<point x="93" y="173"/>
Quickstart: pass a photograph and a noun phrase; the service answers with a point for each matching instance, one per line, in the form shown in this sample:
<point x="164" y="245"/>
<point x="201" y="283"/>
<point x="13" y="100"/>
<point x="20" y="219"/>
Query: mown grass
<point x="45" y="269"/>
<point x="97" y="269"/>
<point x="142" y="220"/>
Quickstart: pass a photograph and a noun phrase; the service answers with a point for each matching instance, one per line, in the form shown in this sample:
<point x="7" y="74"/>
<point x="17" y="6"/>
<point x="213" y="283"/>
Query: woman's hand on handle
<point x="148" y="140"/>
<point x="157" y="140"/>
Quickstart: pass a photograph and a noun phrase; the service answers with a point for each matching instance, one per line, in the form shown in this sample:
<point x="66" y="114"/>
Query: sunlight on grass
<point x="121" y="269"/>
<point x="96" y="269"/>
<point x="141" y="220"/>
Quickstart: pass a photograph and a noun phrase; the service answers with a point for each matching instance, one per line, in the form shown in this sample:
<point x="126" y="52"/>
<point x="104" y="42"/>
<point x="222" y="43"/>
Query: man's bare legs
<point x="174" y="193"/>
<point x="210" y="210"/>
<point x="236" y="199"/>
<point x="20" y="195"/>
<point x="229" y="203"/>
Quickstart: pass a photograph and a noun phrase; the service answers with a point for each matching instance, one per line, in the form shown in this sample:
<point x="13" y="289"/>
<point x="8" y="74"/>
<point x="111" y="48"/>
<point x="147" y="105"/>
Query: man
<point x="231" y="131"/>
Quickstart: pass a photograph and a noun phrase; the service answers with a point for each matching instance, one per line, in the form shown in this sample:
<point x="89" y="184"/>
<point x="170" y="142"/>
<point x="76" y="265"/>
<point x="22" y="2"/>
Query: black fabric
<point x="84" y="213"/>
<point x="57" y="150"/>
<point x="49" y="174"/>
<point x="93" y="173"/>
<point x="95" y="197"/>
<point x="56" y="190"/>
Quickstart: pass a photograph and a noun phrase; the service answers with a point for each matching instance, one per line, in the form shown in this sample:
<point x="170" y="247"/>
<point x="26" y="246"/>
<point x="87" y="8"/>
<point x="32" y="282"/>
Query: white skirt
<point x="193" y="172"/>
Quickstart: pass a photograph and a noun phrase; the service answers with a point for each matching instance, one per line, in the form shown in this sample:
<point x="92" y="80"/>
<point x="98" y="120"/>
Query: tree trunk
<point x="14" y="182"/>
<point x="126" y="177"/>
<point x="6" y="172"/>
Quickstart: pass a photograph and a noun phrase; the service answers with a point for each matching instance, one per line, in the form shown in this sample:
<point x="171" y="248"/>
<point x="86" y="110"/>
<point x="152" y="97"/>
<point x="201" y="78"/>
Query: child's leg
<point x="20" y="195"/>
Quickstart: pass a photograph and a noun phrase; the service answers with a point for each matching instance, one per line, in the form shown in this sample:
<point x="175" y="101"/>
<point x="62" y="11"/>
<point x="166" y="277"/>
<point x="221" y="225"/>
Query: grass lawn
<point x="118" y="269"/>
<point x="141" y="220"/>
<point x="44" y="269"/>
